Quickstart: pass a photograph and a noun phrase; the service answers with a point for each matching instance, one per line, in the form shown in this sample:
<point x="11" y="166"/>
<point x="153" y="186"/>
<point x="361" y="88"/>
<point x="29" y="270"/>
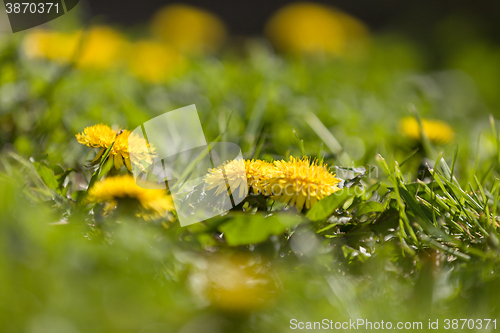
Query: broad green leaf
<point x="47" y="176"/>
<point x="324" y="208"/>
<point x="348" y="203"/>
<point x="369" y="207"/>
<point x="56" y="169"/>
<point x="246" y="229"/>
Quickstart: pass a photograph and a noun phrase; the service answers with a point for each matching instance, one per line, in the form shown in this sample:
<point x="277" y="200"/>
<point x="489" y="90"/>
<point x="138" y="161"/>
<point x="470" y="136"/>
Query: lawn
<point x="403" y="152"/>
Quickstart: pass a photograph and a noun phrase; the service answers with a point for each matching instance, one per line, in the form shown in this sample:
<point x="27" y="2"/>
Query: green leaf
<point x="47" y="176"/>
<point x="348" y="203"/>
<point x="324" y="208"/>
<point x="53" y="175"/>
<point x="56" y="169"/>
<point x="369" y="207"/>
<point x="246" y="229"/>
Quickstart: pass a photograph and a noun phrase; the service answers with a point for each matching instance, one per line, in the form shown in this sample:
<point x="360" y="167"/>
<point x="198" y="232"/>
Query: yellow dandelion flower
<point x="52" y="45"/>
<point x="239" y="175"/>
<point x="258" y="172"/>
<point x="302" y="183"/>
<point x="124" y="143"/>
<point x="437" y="131"/>
<point x="188" y="29"/>
<point x="154" y="62"/>
<point x="239" y="283"/>
<point x="153" y="203"/>
<point x="100" y="47"/>
<point x="97" y="136"/>
<point x="315" y="29"/>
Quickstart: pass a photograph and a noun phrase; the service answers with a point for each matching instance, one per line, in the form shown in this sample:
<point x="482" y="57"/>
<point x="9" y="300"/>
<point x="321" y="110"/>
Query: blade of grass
<point x="485" y="201"/>
<point x="429" y="149"/>
<point x="97" y="172"/>
<point x="190" y="168"/>
<point x="495" y="191"/>
<point x="495" y="135"/>
<point x="327" y="137"/>
<point x="300" y="142"/>
<point x="256" y="116"/>
<point x="320" y="153"/>
<point x="409" y="156"/>
<point x="260" y="143"/>
<point x="455" y="154"/>
<point x="403" y="218"/>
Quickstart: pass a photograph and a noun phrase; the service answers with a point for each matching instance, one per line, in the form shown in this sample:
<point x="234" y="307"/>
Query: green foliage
<point x="416" y="240"/>
<point x="328" y="205"/>
<point x="246" y="229"/>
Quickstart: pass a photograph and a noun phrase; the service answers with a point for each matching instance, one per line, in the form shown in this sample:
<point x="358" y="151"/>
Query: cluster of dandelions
<point x="178" y="31"/>
<point x="122" y="191"/>
<point x="297" y="182"/>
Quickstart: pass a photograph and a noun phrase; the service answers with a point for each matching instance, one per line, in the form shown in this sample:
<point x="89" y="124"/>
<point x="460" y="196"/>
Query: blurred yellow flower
<point x="239" y="283"/>
<point x="154" y="62"/>
<point x="315" y="29"/>
<point x="301" y="182"/>
<point x="100" y="47"/>
<point x="233" y="175"/>
<point x="51" y="45"/>
<point x="124" y="142"/>
<point x="103" y="47"/>
<point x="437" y="131"/>
<point x="152" y="203"/>
<point x="188" y="29"/>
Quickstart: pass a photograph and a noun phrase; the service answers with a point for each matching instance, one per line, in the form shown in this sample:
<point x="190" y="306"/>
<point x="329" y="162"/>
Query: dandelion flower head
<point x="437" y="131"/>
<point x="301" y="182"/>
<point x="124" y="143"/>
<point x="154" y="62"/>
<point x="246" y="284"/>
<point x="314" y="29"/>
<point x="239" y="175"/>
<point x="155" y="202"/>
<point x="189" y="29"/>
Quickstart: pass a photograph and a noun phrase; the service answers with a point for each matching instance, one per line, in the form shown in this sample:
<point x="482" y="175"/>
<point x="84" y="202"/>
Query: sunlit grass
<point x="406" y="227"/>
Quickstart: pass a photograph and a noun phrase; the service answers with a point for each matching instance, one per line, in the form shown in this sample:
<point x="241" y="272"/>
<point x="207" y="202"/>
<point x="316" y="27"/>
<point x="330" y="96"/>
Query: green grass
<point x="415" y="239"/>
